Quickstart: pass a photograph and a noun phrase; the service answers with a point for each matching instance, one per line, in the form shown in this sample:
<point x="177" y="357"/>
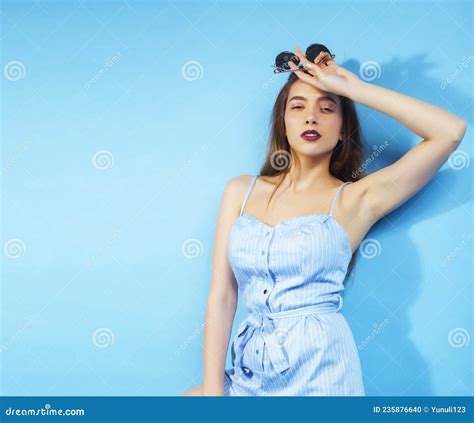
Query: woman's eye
<point x="326" y="109"/>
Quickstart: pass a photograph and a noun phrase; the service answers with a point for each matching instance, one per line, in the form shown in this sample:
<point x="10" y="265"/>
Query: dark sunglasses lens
<point x="281" y="61"/>
<point x="314" y="49"/>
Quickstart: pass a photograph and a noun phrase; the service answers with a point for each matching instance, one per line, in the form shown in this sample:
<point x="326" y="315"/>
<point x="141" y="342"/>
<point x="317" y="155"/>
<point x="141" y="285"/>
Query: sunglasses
<point x="282" y="59"/>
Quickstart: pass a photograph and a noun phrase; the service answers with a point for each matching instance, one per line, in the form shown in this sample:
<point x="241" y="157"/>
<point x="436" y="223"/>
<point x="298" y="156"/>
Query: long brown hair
<point x="346" y="159"/>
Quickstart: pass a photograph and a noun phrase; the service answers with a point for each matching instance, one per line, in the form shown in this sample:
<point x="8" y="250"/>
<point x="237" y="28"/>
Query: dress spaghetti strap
<point x="248" y="193"/>
<point x="336" y="196"/>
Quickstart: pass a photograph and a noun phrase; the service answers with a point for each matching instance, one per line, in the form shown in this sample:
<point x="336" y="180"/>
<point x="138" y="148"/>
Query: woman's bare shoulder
<point x="235" y="189"/>
<point x="240" y="182"/>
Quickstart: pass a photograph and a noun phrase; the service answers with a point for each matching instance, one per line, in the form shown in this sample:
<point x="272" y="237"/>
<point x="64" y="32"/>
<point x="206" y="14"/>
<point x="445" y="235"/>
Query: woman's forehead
<point x="302" y="89"/>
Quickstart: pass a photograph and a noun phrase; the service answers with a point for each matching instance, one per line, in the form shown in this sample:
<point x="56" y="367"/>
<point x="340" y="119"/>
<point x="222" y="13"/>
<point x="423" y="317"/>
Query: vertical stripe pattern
<point x="294" y="341"/>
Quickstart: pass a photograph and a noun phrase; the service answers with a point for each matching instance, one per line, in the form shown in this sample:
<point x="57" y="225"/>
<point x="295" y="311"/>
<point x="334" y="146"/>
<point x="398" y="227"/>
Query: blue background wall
<point x="121" y="123"/>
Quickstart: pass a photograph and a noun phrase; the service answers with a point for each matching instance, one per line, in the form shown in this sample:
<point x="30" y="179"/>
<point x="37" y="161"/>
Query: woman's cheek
<point x="290" y="123"/>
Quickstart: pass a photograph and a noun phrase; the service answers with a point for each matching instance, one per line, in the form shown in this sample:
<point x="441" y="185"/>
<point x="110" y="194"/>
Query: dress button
<point x="257" y="351"/>
<point x="265" y="291"/>
<point x="263" y="252"/>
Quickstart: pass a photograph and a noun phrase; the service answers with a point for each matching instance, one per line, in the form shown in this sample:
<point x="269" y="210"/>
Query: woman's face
<point x="309" y="108"/>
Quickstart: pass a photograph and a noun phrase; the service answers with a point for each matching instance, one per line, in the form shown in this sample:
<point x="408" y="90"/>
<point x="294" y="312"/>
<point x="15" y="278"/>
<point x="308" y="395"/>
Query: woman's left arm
<point x="442" y="132"/>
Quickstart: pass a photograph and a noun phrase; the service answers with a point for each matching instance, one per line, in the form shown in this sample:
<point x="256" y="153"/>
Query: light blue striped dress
<point x="294" y="341"/>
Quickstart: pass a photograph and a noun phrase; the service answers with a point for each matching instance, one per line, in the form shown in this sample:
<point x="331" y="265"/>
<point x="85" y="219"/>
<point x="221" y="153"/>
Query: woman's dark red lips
<point x="311" y="135"/>
<point x="311" y="132"/>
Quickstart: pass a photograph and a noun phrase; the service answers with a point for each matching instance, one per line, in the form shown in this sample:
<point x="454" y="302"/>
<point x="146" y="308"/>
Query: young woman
<point x="285" y="238"/>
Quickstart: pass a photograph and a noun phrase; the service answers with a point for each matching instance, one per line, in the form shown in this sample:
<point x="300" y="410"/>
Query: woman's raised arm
<point x="386" y="189"/>
<point x="442" y="132"/>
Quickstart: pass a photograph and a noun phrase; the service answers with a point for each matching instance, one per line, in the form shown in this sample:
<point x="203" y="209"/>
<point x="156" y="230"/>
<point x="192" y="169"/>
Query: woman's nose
<point x="310" y="119"/>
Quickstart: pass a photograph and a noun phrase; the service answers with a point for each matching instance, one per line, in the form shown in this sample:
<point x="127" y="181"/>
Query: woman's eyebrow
<point x="324" y="97"/>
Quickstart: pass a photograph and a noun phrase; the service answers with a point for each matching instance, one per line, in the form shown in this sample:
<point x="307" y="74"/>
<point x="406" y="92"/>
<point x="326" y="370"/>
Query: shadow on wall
<point x="388" y="277"/>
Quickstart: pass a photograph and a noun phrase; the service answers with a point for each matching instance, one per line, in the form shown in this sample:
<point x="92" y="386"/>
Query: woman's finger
<point x="307" y="77"/>
<point x="324" y="58"/>
<point x="302" y="57"/>
<point x="300" y="74"/>
<point x="315" y="69"/>
<point x="306" y="63"/>
<point x="320" y="57"/>
<point x="298" y="70"/>
<point x="329" y="61"/>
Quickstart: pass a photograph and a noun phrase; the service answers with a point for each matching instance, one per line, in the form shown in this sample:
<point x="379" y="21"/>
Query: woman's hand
<point x="325" y="74"/>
